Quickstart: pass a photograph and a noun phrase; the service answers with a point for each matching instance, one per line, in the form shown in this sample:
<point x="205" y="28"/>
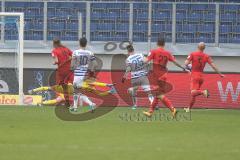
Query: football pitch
<point x="35" y="133"/>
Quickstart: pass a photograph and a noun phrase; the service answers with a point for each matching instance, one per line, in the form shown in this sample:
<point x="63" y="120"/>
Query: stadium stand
<point x="109" y="21"/>
<point x="33" y="20"/>
<point x="195" y="23"/>
<point x="62" y="20"/>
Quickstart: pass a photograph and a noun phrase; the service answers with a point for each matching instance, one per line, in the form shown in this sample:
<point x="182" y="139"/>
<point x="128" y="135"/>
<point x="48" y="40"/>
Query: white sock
<point x="75" y="100"/>
<point x="151" y="98"/>
<point x="86" y="100"/>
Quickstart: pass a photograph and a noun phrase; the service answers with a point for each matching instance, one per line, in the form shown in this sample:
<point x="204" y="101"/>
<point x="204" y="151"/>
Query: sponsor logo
<point x="14" y="100"/>
<point x="229" y="89"/>
<point x="9" y="100"/>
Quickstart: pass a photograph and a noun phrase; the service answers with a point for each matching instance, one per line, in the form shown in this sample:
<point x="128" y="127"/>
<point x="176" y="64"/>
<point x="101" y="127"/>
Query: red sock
<point x="192" y="101"/>
<point x="196" y="93"/>
<point x="153" y="105"/>
<point x="167" y="103"/>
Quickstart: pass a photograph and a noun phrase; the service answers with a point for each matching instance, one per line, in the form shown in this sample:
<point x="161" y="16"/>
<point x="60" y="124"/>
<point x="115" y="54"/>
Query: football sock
<point x="86" y="100"/>
<point x="192" y="101"/>
<point x="100" y="84"/>
<point x="75" y="100"/>
<point x="194" y="94"/>
<point x="153" y="105"/>
<point x="50" y="102"/>
<point x="41" y="89"/>
<point x="133" y="96"/>
<point x="167" y="103"/>
<point x="150" y="98"/>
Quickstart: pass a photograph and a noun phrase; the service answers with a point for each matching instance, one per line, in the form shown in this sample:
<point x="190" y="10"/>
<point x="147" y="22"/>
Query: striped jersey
<point x="82" y="59"/>
<point x="138" y="67"/>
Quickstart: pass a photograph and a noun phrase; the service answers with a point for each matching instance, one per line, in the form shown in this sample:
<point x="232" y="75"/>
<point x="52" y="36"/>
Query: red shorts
<point x="64" y="77"/>
<point x="160" y="80"/>
<point x="196" y="81"/>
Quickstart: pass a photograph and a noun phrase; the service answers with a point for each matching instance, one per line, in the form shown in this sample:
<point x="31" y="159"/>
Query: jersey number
<point x="162" y="60"/>
<point x="200" y="62"/>
<point x="83" y="60"/>
<point x="138" y="63"/>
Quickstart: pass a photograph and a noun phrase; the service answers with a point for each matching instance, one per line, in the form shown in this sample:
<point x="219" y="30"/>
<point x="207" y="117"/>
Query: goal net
<point x="11" y="58"/>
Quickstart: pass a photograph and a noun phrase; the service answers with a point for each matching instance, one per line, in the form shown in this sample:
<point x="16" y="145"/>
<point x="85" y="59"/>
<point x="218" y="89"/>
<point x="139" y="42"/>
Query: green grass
<point x="30" y="133"/>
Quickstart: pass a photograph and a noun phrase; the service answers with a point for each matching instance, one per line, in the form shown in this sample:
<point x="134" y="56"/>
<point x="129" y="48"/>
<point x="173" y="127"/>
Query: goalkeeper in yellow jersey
<point x="89" y="85"/>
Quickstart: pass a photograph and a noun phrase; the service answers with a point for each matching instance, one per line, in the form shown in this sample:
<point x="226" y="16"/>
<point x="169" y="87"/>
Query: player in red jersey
<point x="160" y="58"/>
<point x="62" y="58"/>
<point x="198" y="61"/>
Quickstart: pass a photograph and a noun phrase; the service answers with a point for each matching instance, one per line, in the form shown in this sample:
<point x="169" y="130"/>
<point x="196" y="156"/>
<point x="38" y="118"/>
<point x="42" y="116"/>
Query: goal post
<point x="20" y="48"/>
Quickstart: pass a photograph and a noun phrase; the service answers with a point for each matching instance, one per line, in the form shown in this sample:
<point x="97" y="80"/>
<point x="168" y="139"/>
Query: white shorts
<point x="78" y="81"/>
<point x="142" y="82"/>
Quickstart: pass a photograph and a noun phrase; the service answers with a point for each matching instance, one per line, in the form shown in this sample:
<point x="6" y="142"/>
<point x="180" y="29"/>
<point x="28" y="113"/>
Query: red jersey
<point x="199" y="60"/>
<point x="160" y="58"/>
<point x="63" y="55"/>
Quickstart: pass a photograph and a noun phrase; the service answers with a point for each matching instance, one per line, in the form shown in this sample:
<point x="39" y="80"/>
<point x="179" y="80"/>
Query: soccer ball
<point x="189" y="67"/>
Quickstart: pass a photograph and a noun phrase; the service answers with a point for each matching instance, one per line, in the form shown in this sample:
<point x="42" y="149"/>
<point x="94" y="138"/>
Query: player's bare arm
<point x="127" y="71"/>
<point x="187" y="62"/>
<point x="94" y="65"/>
<point x="146" y="60"/>
<point x="73" y="63"/>
<point x="188" y="65"/>
<point x="178" y="65"/>
<point x="215" y="68"/>
<point x="55" y="60"/>
<point x="93" y="68"/>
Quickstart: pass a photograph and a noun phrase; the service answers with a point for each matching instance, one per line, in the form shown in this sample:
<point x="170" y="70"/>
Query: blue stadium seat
<point x="209" y="17"/>
<point x="163" y="6"/>
<point x="38" y="26"/>
<point x="69" y="36"/>
<point x="180" y="16"/>
<point x="93" y="26"/>
<point x="105" y="26"/>
<point x="140" y="27"/>
<point x="208" y="28"/>
<point x="142" y="15"/>
<point x="225" y="29"/>
<point x="211" y="7"/>
<point x="195" y="7"/>
<point x="183" y="6"/>
<point x="223" y="38"/>
<point x="28" y="26"/>
<point x="235" y="39"/>
<point x="37" y="35"/>
<point x="228" y="17"/>
<point x="229" y="7"/>
<point x="178" y="28"/>
<point x="72" y="26"/>
<point x="161" y="15"/>
<point x="195" y="16"/>
<point x="168" y="27"/>
<point x="122" y="27"/>
<point x="236" y="29"/>
<point x="189" y="28"/>
<point x="95" y="15"/>
<point x="158" y="28"/>
<point x="56" y="26"/>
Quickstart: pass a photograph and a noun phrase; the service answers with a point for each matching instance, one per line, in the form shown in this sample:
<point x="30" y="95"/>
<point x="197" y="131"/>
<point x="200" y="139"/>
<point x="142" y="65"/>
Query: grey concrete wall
<point x="226" y="64"/>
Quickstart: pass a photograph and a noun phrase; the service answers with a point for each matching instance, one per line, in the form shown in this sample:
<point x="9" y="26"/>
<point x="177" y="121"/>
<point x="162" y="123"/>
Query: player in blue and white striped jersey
<point x="82" y="59"/>
<point x="138" y="69"/>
